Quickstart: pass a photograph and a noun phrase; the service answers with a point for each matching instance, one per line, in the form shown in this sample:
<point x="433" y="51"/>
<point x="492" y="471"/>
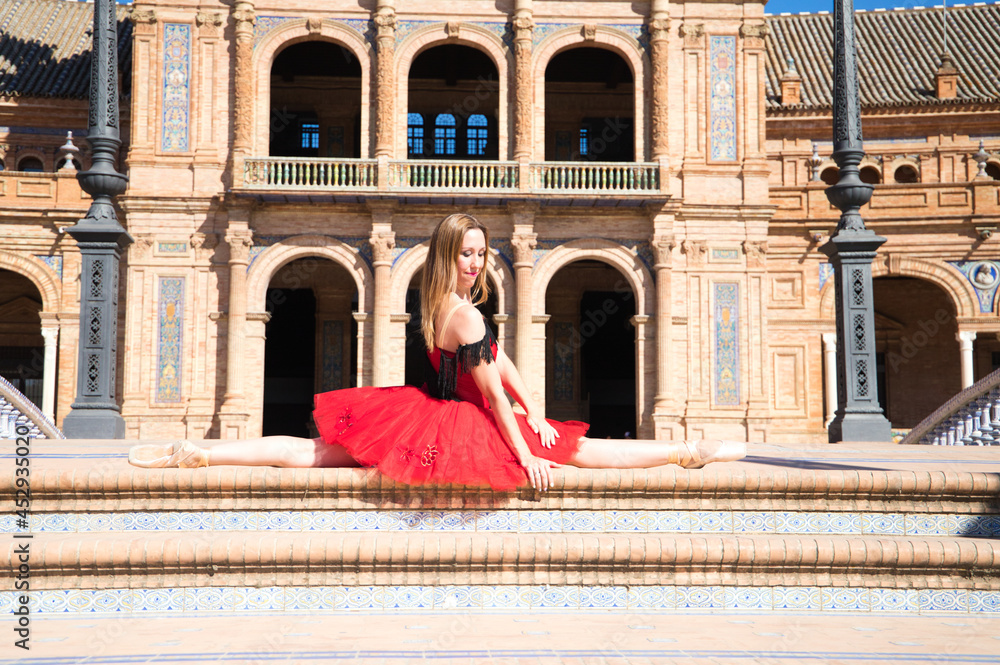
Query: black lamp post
<point x="95" y="414"/>
<point x="851" y="250"/>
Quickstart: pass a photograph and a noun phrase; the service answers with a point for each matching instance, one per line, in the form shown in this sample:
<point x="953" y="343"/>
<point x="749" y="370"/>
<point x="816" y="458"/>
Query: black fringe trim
<point x="467" y="356"/>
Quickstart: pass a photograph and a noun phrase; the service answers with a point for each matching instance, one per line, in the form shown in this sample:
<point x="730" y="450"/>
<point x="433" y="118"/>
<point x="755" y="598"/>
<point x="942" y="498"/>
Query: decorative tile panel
<point x="55" y="263"/>
<point x="332" y="377"/>
<point x="265" y="24"/>
<point x="722" y="100"/>
<point x="825" y="273"/>
<point x="172" y="248"/>
<point x="170" y="341"/>
<point x="727" y="357"/>
<point x="984" y="277"/>
<point x="724" y="255"/>
<point x="176" y="86"/>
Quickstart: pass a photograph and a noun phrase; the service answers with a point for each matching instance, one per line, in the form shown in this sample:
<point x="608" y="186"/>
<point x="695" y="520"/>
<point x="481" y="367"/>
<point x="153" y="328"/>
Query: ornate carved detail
<point x="659" y="111"/>
<point x="314" y="24"/>
<point x="385" y="19"/>
<point x="524" y="25"/>
<point x="385" y="94"/>
<point x="663" y="249"/>
<point x="523" y="246"/>
<point x="140" y="249"/>
<point x="756" y="251"/>
<point x="659" y="29"/>
<point x="239" y="246"/>
<point x="754" y="30"/>
<point x="692" y="32"/>
<point x="208" y="22"/>
<point x="695" y="251"/>
<point x="451" y="29"/>
<point x="590" y="32"/>
<point x="382" y="246"/>
<point x="523" y="92"/>
<point x="144" y="20"/>
<point x="245" y="19"/>
<point x="204" y="244"/>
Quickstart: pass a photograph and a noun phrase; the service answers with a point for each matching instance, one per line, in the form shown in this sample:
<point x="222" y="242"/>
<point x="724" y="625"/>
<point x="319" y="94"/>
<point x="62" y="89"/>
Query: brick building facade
<point x="652" y="175"/>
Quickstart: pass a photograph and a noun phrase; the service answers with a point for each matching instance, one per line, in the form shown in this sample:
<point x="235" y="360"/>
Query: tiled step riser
<point x="624" y="521"/>
<point x="492" y="598"/>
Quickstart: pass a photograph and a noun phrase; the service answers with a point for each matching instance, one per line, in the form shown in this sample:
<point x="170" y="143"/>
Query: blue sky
<point x="813" y="6"/>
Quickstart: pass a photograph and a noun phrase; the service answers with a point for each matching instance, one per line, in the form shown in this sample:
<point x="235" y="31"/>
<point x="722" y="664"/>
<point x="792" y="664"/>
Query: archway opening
<point x="589" y="107"/>
<point x="22" y="349"/>
<point x="918" y="358"/>
<point x="870" y="175"/>
<point x="315" y="102"/>
<point x="416" y="373"/>
<point x="830" y="175"/>
<point x="590" y="349"/>
<point x="906" y="175"/>
<point x="453" y="101"/>
<point x="993" y="170"/>
<point x="30" y="165"/>
<point x="311" y="342"/>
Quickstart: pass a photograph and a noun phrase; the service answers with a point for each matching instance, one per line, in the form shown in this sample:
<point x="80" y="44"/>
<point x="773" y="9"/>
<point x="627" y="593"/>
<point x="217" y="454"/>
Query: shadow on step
<point x="807" y="464"/>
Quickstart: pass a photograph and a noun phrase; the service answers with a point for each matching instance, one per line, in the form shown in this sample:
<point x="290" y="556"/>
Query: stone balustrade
<point x="20" y="418"/>
<point x="308" y="173"/>
<point x="453" y="174"/>
<point x="596" y="177"/>
<point x="970" y="418"/>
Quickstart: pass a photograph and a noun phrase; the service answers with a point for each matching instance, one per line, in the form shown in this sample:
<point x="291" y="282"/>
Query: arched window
<point x="993" y="170"/>
<point x="905" y="174"/>
<point x="444" y="134"/>
<point x="830" y="175"/>
<point x="31" y="164"/>
<point x="414" y="135"/>
<point x="870" y="175"/>
<point x="476" y="132"/>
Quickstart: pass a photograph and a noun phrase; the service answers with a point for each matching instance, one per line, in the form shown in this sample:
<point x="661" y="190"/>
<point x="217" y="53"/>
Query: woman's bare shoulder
<point x="468" y="325"/>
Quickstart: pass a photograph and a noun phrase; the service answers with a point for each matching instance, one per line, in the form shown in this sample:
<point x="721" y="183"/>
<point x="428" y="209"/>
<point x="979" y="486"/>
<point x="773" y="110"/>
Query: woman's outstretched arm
<point x="514" y="384"/>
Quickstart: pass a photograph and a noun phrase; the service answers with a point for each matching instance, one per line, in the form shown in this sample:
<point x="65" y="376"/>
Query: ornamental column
<point x="965" y="339"/>
<point x="851" y="250"/>
<point x="382" y="240"/>
<point x="96" y="414"/>
<point x="523" y="242"/>
<point x="50" y="333"/>
<point x="524" y="27"/>
<point x="830" y="373"/>
<point x="233" y="415"/>
<point x="664" y="409"/>
<point x="659" y="30"/>
<point x="385" y="86"/>
<point x="245" y="18"/>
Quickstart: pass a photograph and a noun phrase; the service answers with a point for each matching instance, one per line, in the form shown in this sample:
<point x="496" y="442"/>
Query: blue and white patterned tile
<point x="984" y="601"/>
<point x="254" y="599"/>
<point x="894" y="600"/>
<point x="157" y="600"/>
<point x="319" y="520"/>
<point x="112" y="601"/>
<point x="235" y="520"/>
<point x="753" y="522"/>
<point x="791" y="522"/>
<point x="842" y="524"/>
<point x="930" y="525"/>
<point x="502" y="597"/>
<point x="456" y="521"/>
<point x="313" y="599"/>
<point x="361" y="598"/>
<point x="583" y="520"/>
<point x="975" y="525"/>
<point x="279" y="520"/>
<point x="944" y="600"/>
<point x="497" y="520"/>
<point x="530" y="594"/>
<point x="206" y="599"/>
<point x="748" y="598"/>
<point x="8" y="601"/>
<point x="539" y="520"/>
<point x="8" y="523"/>
<point x="409" y="597"/>
<point x="52" y="601"/>
<point x="144" y="521"/>
<point x="362" y="520"/>
<point x="91" y="522"/>
<point x="672" y="521"/>
<point x="603" y="597"/>
<point x="195" y="521"/>
<point x="558" y="597"/>
<point x="49" y="522"/>
<point x="712" y="521"/>
<point x="796" y="598"/>
<point x="457" y="597"/>
<point x="652" y="598"/>
<point x="627" y="520"/>
<point x="700" y="597"/>
<point x="887" y="524"/>
<point x="846" y="599"/>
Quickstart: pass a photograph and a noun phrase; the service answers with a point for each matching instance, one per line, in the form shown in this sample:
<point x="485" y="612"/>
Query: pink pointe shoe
<point x="702" y="452"/>
<point x="177" y="455"/>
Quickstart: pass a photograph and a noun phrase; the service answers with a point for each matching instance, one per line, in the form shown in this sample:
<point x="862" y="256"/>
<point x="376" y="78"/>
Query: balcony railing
<point x="970" y="418"/>
<point x="593" y="178"/>
<point x="309" y="173"/>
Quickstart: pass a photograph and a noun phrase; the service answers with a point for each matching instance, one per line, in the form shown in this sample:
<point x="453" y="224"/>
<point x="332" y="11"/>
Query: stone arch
<point x="900" y="163"/>
<point x="295" y="32"/>
<point x="44" y="279"/>
<point x="26" y="153"/>
<point x="470" y="35"/>
<point x="607" y="251"/>
<point x="276" y="256"/>
<point x="948" y="279"/>
<point x="612" y="39"/>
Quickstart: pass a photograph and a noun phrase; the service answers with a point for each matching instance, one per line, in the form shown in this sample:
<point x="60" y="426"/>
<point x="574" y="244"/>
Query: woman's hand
<point x="546" y="432"/>
<point x="539" y="471"/>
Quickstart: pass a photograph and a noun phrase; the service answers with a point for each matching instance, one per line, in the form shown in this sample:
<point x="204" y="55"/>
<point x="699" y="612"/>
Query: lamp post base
<point x="860" y="427"/>
<point x="94" y="424"/>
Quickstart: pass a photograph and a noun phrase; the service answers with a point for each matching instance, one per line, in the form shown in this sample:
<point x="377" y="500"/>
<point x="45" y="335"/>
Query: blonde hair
<point x="440" y="276"/>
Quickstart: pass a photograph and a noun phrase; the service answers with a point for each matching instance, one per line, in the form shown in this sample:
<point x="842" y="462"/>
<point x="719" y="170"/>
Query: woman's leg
<point x="637" y="454"/>
<point x="283" y="451"/>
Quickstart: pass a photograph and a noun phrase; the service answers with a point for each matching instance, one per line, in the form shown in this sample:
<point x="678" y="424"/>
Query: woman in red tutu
<point x="460" y="428"/>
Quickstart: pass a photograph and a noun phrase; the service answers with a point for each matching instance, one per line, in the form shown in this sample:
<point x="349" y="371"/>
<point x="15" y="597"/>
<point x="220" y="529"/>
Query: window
<point x="830" y="175"/>
<point x="905" y="174"/>
<point x="476" y="132"/>
<point x="993" y="170"/>
<point x="310" y="136"/>
<point x="414" y="134"/>
<point x="32" y="164"/>
<point x="870" y="175"/>
<point x="584" y="141"/>
<point x="444" y="134"/>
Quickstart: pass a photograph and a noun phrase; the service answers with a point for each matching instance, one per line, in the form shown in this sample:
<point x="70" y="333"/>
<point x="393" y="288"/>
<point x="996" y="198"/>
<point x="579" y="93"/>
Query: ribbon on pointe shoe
<point x="727" y="451"/>
<point x="178" y="455"/>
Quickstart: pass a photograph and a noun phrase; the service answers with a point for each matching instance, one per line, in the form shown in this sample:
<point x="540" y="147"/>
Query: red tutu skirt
<point x="418" y="440"/>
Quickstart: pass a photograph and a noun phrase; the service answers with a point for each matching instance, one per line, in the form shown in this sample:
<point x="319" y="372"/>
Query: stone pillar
<point x="523" y="241"/>
<point x="659" y="30"/>
<point x="965" y="339"/>
<point x="245" y="18"/>
<point x="233" y="415"/>
<point x="524" y="26"/>
<point x="50" y="333"/>
<point x="830" y="372"/>
<point x="385" y="83"/>
<point x="664" y="405"/>
<point x="643" y="424"/>
<point x="382" y="240"/>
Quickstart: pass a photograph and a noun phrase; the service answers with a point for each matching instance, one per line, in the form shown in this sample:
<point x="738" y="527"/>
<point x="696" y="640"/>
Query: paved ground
<point x="513" y="639"/>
